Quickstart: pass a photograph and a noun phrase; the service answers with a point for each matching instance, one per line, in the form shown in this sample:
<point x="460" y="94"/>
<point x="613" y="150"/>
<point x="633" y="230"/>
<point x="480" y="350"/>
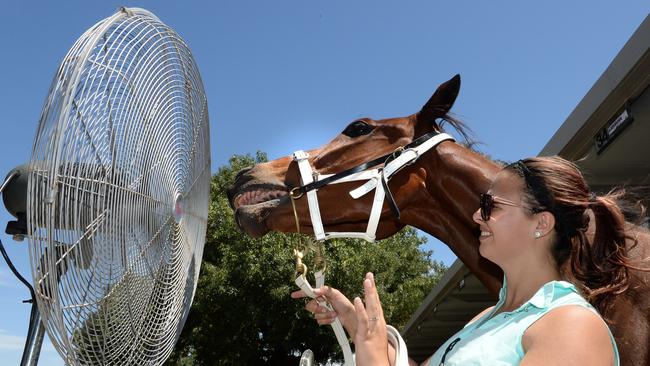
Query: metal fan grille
<point x="118" y="193"/>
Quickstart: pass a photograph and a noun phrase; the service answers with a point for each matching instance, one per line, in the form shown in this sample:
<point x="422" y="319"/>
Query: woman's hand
<point x="370" y="340"/>
<point x="365" y="325"/>
<point x="343" y="308"/>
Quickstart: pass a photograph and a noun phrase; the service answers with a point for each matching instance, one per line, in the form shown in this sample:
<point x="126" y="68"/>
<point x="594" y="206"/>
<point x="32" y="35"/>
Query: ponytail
<point x="601" y="264"/>
<point x="597" y="262"/>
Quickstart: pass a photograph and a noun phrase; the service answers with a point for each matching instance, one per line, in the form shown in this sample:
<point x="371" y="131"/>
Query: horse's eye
<point x="357" y="128"/>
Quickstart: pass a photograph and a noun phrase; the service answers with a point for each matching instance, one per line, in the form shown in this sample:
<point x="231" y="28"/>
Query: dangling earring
<point x="538" y="234"/>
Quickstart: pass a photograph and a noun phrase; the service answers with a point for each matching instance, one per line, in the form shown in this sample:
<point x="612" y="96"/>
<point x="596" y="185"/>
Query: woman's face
<point x="508" y="233"/>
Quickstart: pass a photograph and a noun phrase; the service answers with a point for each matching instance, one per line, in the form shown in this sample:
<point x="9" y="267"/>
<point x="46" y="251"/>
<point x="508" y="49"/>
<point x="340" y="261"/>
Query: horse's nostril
<point x="242" y="172"/>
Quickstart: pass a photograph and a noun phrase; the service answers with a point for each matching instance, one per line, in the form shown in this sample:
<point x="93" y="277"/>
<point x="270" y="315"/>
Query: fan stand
<point x="36" y="330"/>
<point x="34" y="340"/>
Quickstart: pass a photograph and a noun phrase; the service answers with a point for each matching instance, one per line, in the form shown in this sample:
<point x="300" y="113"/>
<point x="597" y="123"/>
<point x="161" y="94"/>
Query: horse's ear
<point x="442" y="100"/>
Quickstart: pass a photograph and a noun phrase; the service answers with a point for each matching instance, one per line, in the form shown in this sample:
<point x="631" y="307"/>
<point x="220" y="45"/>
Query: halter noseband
<point x="392" y="163"/>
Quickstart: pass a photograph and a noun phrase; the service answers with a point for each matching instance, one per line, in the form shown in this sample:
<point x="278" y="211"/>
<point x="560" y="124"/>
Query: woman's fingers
<point x="326" y="317"/>
<point x="314" y="307"/>
<point x="373" y="305"/>
<point x="371" y="343"/>
<point x="311" y="306"/>
<point x="321" y="314"/>
<point x="370" y="315"/>
<point x="362" y="316"/>
<point x="342" y="307"/>
<point x="322" y="294"/>
<point x="329" y="293"/>
<point x="298" y="294"/>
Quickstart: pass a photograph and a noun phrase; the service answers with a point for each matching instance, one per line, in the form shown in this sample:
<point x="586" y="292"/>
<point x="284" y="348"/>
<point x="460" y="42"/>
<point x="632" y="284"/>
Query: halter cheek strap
<point x="377" y="179"/>
<point x="308" y="176"/>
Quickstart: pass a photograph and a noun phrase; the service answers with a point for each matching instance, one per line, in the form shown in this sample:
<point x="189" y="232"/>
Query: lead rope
<point x="303" y="283"/>
<point x="299" y="250"/>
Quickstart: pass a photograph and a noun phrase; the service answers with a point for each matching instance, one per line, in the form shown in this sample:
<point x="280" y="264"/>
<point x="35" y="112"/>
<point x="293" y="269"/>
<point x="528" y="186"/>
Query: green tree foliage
<point x="242" y="313"/>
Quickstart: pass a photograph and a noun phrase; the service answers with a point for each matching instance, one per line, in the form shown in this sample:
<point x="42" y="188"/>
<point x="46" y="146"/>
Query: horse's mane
<point x="466" y="133"/>
<point x="633" y="203"/>
<point x="463" y="129"/>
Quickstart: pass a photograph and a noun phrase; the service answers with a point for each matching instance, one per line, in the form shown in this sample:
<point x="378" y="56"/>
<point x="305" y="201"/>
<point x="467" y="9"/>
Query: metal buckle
<point x="292" y="193"/>
<point x="417" y="156"/>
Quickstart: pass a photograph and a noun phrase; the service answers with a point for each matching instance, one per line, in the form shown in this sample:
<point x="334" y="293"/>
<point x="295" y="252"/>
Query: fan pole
<point x="36" y="330"/>
<point x="34" y="340"/>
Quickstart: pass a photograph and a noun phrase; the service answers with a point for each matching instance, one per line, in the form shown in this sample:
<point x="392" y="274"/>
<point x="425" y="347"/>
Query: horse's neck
<point x="455" y="177"/>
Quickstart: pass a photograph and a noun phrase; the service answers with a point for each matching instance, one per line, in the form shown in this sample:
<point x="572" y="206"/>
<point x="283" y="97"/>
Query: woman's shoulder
<point x="572" y="316"/>
<point x="480" y="315"/>
<point x="569" y="331"/>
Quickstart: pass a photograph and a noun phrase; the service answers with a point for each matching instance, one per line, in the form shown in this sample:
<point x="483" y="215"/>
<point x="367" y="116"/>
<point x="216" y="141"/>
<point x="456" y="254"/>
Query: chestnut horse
<point x="437" y="193"/>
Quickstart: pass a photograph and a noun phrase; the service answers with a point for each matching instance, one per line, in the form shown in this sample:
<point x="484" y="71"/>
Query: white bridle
<point x="373" y="179"/>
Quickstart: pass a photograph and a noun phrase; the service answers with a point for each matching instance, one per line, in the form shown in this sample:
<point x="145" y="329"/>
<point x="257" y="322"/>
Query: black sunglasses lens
<point x="486" y="202"/>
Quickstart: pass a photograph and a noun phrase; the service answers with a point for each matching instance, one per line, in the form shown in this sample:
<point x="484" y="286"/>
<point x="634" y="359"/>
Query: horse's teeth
<point x="255" y="197"/>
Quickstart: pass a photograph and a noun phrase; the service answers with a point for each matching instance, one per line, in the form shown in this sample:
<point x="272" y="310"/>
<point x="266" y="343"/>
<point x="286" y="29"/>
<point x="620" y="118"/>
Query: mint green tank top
<point x="496" y="341"/>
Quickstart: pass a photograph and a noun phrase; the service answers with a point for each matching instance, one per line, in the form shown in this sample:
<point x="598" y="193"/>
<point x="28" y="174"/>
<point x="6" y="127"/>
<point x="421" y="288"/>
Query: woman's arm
<point x="568" y="335"/>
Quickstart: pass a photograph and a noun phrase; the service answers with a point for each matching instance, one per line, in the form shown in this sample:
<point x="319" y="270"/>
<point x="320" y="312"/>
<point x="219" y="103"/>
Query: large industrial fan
<point x="114" y="200"/>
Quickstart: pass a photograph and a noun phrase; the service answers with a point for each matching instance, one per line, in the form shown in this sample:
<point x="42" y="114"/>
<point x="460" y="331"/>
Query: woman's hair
<point x="600" y="266"/>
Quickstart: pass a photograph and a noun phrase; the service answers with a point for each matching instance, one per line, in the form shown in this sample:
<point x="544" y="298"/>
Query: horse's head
<point x="260" y="195"/>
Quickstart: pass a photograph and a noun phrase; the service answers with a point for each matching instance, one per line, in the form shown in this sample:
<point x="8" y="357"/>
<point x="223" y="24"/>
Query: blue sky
<point x="288" y="75"/>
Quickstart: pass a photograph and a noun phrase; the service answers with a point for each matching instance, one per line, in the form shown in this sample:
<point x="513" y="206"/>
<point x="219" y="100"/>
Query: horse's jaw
<point x="253" y="202"/>
<point x="252" y="218"/>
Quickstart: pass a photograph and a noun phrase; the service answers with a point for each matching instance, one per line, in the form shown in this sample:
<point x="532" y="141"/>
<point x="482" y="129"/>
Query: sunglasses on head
<point x="486" y="204"/>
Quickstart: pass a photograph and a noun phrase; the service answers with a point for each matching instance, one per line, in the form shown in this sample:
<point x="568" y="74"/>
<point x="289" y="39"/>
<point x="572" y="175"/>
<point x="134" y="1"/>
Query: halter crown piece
<point x="312" y="181"/>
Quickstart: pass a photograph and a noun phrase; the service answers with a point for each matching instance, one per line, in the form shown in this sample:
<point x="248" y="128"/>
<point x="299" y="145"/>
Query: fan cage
<point x="118" y="193"/>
